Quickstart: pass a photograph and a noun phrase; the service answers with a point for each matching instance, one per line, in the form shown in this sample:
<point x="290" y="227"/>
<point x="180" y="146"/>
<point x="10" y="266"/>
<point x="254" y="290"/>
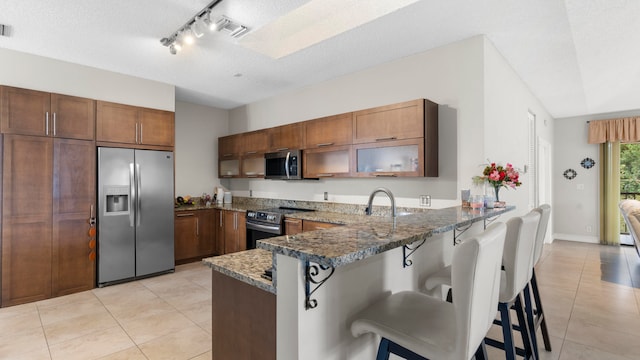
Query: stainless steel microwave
<point x="283" y="165"/>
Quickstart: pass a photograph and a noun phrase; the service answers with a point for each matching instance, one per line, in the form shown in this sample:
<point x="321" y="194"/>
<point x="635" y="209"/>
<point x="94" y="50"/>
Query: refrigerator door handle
<point x="138" y="196"/>
<point x="132" y="193"/>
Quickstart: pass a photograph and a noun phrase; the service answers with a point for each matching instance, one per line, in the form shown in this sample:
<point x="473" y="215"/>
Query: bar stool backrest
<point x="475" y="278"/>
<point x="517" y="258"/>
<point x="545" y="212"/>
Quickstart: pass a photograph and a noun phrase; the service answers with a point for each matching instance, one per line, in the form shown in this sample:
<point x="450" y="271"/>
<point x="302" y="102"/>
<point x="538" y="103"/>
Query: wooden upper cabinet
<point x="73" y="117"/>
<point x="156" y="127"/>
<point x="329" y="131"/>
<point x="127" y="124"/>
<point x="391" y="122"/>
<point x="116" y="123"/>
<point x="286" y="137"/>
<point x="229" y="146"/>
<point x="254" y="142"/>
<point x="30" y="112"/>
<point x="24" y="111"/>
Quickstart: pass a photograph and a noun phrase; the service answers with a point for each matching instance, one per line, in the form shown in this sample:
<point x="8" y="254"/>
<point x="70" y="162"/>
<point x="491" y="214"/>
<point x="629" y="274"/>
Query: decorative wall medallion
<point x="570" y="174"/>
<point x="587" y="163"/>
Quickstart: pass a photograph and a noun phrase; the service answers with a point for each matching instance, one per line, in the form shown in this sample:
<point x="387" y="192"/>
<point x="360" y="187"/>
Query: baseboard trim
<point x="578" y="238"/>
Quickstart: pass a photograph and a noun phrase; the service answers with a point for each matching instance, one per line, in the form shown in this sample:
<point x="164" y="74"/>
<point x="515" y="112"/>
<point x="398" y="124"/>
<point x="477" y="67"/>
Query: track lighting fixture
<point x="195" y="28"/>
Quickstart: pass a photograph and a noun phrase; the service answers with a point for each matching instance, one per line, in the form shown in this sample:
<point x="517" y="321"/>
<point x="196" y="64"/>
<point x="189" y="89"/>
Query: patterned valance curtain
<point x="613" y="130"/>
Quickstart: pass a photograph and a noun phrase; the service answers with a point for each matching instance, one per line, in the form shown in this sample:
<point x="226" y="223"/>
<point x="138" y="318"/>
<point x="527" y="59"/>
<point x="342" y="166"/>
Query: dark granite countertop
<point x="247" y="266"/>
<point x="365" y="236"/>
<point x="232" y="206"/>
<point x="361" y="237"/>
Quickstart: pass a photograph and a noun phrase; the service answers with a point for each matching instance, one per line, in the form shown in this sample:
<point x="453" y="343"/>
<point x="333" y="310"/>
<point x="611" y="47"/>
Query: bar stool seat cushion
<point x="402" y="318"/>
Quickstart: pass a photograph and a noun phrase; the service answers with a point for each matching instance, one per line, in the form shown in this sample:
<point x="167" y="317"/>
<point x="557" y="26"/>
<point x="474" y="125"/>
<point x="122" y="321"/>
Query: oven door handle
<point x="273" y="229"/>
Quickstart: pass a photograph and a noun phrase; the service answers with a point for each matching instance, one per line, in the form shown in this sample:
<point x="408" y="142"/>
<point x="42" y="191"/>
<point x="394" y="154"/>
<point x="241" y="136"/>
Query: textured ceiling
<point x="577" y="56"/>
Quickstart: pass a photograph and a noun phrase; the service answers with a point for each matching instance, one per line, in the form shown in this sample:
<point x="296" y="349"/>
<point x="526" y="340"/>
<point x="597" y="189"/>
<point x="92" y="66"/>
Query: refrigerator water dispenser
<point x="117" y="200"/>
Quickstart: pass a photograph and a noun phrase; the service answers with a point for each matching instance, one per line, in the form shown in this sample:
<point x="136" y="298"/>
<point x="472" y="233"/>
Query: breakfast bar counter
<point x="366" y="236"/>
<point x="322" y="278"/>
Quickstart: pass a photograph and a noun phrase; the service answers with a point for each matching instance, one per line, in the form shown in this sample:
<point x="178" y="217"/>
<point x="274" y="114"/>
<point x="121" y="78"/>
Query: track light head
<point x="194" y="28"/>
<point x="187" y="36"/>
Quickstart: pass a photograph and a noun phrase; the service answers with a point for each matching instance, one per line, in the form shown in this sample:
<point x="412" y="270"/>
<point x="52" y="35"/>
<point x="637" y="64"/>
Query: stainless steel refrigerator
<point x="135" y="214"/>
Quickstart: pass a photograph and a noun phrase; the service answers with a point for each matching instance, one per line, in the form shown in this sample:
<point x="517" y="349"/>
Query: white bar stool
<point x="417" y="326"/>
<point x="536" y="316"/>
<point x="517" y="261"/>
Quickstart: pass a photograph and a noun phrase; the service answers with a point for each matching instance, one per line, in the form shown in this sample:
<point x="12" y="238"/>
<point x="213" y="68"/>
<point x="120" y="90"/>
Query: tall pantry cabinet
<point x="48" y="194"/>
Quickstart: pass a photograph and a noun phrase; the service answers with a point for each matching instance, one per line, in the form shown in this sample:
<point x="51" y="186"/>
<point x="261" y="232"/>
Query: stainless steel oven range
<point x="262" y="224"/>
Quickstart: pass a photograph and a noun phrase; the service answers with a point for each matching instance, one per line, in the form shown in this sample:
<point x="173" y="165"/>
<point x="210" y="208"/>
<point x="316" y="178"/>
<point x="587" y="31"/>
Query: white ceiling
<point x="577" y="56"/>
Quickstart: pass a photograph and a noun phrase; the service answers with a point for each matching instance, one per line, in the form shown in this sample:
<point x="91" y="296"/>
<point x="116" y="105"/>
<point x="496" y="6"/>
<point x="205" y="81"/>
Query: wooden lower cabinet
<point x="185" y="226"/>
<point x="27" y="173"/>
<point x="292" y="226"/>
<point x="74" y="169"/>
<point x="296" y="226"/>
<point x="235" y="231"/>
<point x="194" y="235"/>
<point x="243" y="320"/>
<point x="207" y="239"/>
<point x="310" y="225"/>
<point x="47" y="200"/>
<point x="231" y="231"/>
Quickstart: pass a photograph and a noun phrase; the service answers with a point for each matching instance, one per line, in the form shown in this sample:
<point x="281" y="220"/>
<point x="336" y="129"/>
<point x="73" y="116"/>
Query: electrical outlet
<point x="250" y="193"/>
<point x="326" y="196"/>
<point x="589" y="228"/>
<point x="425" y="200"/>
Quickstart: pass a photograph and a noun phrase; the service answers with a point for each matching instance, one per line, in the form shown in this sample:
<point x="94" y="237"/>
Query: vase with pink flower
<point x="498" y="176"/>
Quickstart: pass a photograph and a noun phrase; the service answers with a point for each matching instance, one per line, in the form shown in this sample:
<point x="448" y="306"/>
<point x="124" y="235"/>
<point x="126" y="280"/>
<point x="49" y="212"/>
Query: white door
<point x="544" y="180"/>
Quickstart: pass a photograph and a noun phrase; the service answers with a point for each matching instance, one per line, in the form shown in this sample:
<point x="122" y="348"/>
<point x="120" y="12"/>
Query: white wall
<point x="575" y="209"/>
<point x="46" y="74"/>
<point x="507" y="101"/>
<point x="450" y="75"/>
<point x="482" y="91"/>
<point x="196" y="149"/>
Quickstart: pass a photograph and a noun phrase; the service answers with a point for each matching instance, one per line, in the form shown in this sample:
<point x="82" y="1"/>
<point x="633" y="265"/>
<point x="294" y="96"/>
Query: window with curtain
<point x="609" y="134"/>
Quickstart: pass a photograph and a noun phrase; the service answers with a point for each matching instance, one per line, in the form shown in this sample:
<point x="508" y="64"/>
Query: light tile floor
<point x="591" y="295"/>
<point x="164" y="317"/>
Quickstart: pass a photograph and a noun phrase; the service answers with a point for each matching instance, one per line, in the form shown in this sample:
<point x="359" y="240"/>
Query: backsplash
<point x="263" y="203"/>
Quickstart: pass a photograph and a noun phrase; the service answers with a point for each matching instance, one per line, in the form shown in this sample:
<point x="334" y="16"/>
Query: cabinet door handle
<point x="226" y="155"/>
<point x="386" y="175"/>
<point x="291" y="221"/>
<point x="325" y="144"/>
<point x="197" y="227"/>
<point x="141" y="141"/>
<point x="235" y="221"/>
<point x="137" y="133"/>
<point x="387" y="138"/>
<point x="220" y="218"/>
<point x="282" y="149"/>
<point x="325" y="175"/>
<point x="46" y="123"/>
<point x="251" y="152"/>
<point x="54" y="124"/>
<point x="92" y="217"/>
<point x="184" y="215"/>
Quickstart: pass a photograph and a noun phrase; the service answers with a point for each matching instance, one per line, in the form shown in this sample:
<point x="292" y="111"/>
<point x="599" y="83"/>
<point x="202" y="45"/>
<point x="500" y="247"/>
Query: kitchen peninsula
<point x="350" y="266"/>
